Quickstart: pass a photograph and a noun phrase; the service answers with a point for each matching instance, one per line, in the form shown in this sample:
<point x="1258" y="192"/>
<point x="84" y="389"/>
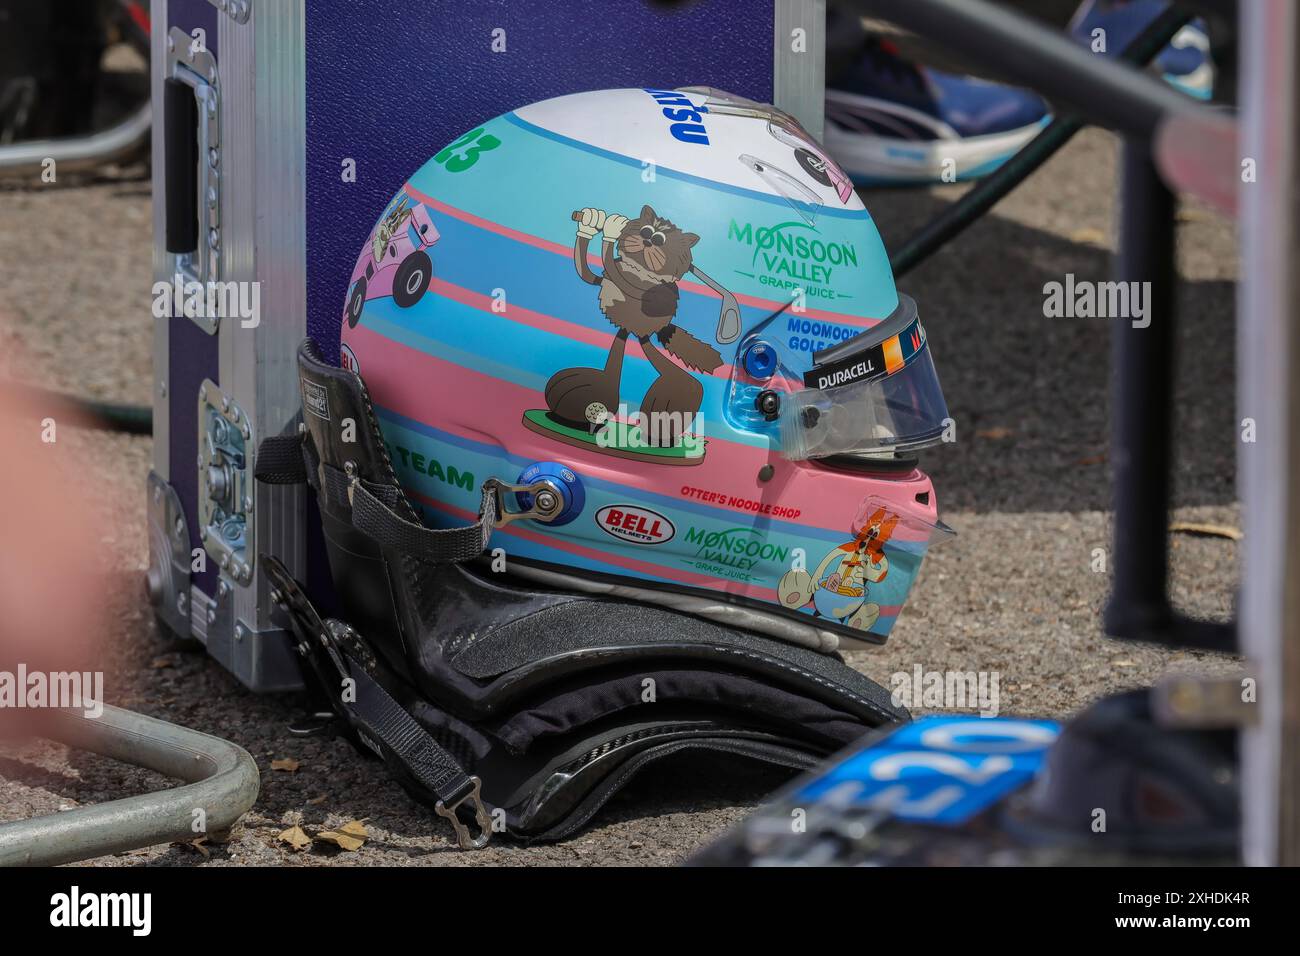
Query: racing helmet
<point x="663" y="327"/>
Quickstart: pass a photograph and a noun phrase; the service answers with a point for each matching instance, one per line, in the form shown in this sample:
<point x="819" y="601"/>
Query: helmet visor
<point x="874" y="394"/>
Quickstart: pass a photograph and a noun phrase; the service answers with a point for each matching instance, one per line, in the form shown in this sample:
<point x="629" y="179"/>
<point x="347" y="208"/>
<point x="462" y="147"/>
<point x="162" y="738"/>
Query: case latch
<point x="226" y="483"/>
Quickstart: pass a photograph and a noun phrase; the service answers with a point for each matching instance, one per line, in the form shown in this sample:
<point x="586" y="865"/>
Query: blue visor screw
<point x="760" y="361"/>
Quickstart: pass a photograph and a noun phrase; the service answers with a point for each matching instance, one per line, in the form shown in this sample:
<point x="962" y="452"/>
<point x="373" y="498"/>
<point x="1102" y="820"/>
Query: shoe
<point x="1185" y="63"/>
<point x="893" y="122"/>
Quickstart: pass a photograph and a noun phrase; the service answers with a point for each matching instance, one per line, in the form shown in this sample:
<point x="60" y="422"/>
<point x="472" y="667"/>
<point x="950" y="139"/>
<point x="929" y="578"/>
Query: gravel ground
<point x="1026" y="486"/>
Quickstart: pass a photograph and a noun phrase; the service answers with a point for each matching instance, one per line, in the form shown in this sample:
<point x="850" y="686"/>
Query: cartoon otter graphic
<point x="643" y="259"/>
<point x="838" y="588"/>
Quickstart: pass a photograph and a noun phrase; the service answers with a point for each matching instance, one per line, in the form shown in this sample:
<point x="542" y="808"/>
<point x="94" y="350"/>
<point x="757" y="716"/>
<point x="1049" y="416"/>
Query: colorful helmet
<point x="664" y="326"/>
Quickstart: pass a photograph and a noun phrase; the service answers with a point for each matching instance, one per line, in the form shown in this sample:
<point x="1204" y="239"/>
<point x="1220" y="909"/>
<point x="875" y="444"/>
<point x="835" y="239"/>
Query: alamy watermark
<point x="634" y="430"/>
<point x="1085" y="299"/>
<point x="133" y="911"/>
<point x="946" y="690"/>
<point x="208" y="300"/>
<point x="40" y="690"/>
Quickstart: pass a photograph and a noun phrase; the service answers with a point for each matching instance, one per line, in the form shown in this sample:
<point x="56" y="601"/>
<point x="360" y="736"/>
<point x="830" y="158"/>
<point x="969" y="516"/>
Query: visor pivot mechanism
<point x="768" y="404"/>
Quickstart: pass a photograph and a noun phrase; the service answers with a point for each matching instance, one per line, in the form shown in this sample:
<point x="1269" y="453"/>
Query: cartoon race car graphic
<point x="395" y="261"/>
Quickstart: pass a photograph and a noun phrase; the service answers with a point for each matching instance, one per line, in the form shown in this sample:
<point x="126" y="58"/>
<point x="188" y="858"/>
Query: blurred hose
<point x="125" y="141"/>
<point x="87" y="412"/>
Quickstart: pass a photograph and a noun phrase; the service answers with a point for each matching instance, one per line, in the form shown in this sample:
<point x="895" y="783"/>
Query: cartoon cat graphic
<point x="642" y="259"/>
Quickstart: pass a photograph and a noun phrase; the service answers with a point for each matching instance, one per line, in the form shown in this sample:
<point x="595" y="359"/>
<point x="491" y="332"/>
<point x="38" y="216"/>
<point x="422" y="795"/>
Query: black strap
<point x="374" y="712"/>
<point x="280" y="460"/>
<point x="374" y="517"/>
<point x="421" y="756"/>
<point x="292" y="459"/>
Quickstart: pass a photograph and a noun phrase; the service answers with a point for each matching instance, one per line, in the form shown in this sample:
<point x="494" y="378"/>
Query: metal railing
<point x="222" y="782"/>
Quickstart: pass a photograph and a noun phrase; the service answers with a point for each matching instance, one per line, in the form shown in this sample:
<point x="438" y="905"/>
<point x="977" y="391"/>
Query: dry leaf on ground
<point x="296" y="837"/>
<point x="351" y="836"/>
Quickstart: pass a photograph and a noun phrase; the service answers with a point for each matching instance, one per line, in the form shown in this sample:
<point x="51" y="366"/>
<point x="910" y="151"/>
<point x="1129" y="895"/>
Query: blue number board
<point x="940" y="770"/>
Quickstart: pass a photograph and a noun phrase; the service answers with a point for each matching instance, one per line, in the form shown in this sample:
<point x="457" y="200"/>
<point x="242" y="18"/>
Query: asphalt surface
<point x="1026" y="485"/>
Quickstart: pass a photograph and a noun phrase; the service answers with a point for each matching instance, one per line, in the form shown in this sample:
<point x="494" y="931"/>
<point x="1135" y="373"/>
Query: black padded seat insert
<point x="585" y="634"/>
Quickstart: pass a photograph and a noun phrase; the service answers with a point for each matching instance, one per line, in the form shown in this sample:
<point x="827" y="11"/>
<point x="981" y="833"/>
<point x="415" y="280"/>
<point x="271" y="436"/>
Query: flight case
<point x="281" y="130"/>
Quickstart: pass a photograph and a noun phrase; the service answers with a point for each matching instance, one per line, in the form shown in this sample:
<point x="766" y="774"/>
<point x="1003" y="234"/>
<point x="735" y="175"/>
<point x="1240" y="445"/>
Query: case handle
<point x="181" y="156"/>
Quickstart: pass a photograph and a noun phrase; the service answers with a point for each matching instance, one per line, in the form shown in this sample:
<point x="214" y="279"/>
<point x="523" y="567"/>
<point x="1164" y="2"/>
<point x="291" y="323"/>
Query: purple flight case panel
<point x="389" y="90"/>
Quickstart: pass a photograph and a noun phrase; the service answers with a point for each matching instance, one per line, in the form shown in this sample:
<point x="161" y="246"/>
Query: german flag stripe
<point x="893" y="355"/>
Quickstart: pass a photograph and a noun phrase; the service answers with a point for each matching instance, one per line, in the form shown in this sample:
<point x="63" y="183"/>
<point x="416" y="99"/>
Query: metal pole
<point x="1142" y="363"/>
<point x="967" y="210"/>
<point x="223" y="783"/>
<point x="799" y="63"/>
<point x="1268" y="401"/>
<point x="1027" y="53"/>
<point x="1142" y="360"/>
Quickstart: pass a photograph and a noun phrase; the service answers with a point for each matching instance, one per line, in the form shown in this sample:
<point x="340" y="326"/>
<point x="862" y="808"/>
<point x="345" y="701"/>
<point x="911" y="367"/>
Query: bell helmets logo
<point x="635" y="524"/>
<point x="348" y="360"/>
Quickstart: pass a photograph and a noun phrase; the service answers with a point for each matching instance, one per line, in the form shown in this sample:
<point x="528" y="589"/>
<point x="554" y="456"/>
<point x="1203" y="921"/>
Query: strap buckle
<point x="481" y="817"/>
<point x="354" y="479"/>
<point x="547" y="500"/>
